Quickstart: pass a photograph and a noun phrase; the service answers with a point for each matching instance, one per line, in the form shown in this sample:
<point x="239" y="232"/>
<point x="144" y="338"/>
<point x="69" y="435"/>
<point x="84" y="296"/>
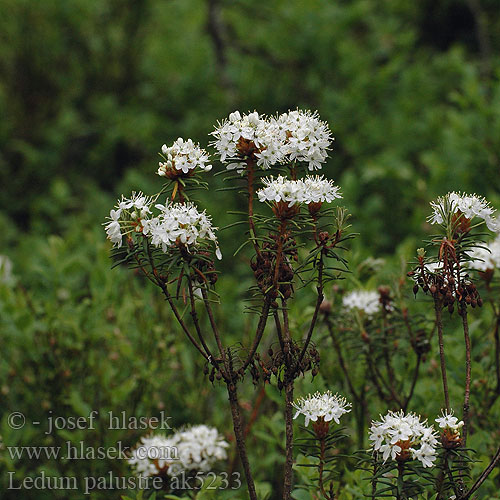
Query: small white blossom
<point x="327" y="406"/>
<point x="402" y="437"/>
<point x="471" y="206"/>
<point x="486" y="257"/>
<point x="448" y="421"/>
<point x="363" y="300"/>
<point x="180" y="223"/>
<point x="426" y="454"/>
<point x="183" y="156"/>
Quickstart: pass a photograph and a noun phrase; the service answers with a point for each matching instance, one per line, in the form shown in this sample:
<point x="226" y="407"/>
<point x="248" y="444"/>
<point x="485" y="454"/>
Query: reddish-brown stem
<point x="213" y="324"/>
<point x="484" y="475"/>
<point x="240" y="438"/>
<point x="465" y="324"/>
<point x="196" y="322"/>
<point x="413" y="383"/>
<point x="178" y="317"/>
<point x="260" y="330"/>
<point x="314" y="319"/>
<point x="340" y="357"/>
<point x="278" y="328"/>
<point x="279" y="253"/>
<point x="439" y="322"/>
<point x="183" y="325"/>
<point x="388" y="365"/>
<point x="288" y="474"/>
<point x="378" y="379"/>
<point x="322" y="450"/>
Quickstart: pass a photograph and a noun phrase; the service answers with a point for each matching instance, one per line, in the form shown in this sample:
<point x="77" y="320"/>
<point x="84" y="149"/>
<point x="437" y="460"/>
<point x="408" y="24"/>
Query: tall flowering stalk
<point x="175" y="245"/>
<point x="447" y="278"/>
<point x="322" y="410"/>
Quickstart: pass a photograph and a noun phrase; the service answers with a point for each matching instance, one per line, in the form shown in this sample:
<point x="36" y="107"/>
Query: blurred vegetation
<point x="90" y="90"/>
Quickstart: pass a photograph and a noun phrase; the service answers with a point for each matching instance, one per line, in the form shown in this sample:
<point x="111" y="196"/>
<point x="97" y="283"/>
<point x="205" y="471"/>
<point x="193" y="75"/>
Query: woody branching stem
<point x="259" y="332"/>
<point x="240" y="438"/>
<point x="314" y="319"/>
<point x="484" y="475"/>
<point x="194" y="317"/>
<point x="230" y="379"/>
<point x="289" y="383"/>
<point x="439" y="322"/>
<point x="413" y="382"/>
<point x="213" y="324"/>
<point x="322" y="452"/>
<point x="400" y="494"/>
<point x="388" y="365"/>
<point x="288" y="475"/>
<point x="465" y="324"/>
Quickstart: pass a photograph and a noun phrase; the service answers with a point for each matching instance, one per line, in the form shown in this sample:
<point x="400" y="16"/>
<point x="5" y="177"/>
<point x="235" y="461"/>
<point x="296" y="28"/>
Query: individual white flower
<point x="183" y="156"/>
<point x="199" y="448"/>
<point x="113" y="229"/>
<point x="448" y="421"/>
<point x="128" y="215"/>
<point x="402" y="437"/>
<point x="471" y="206"/>
<point x="326" y="406"/>
<point x="486" y="257"/>
<point x="154" y="455"/>
<point x="363" y="300"/>
<point x="426" y="454"/>
<point x="309" y="190"/>
<point x="180" y="224"/>
<point x="306" y="138"/>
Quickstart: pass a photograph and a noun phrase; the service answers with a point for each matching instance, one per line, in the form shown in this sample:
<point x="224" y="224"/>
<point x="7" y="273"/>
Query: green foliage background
<point x="90" y="90"/>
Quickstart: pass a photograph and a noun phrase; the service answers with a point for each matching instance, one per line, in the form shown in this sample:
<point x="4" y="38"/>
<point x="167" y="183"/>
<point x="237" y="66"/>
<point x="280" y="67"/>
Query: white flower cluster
<point x="294" y="136"/>
<point x="176" y="223"/>
<point x="486" y="257"/>
<point x="180" y="223"/>
<point x="363" y="300"/>
<point x="153" y="455"/>
<point x="306" y="137"/>
<point x="311" y="189"/>
<point x="449" y="422"/>
<point x="199" y="448"/>
<point x="196" y="448"/>
<point x="240" y="135"/>
<point x="126" y="216"/>
<point x="402" y="437"/>
<point x="471" y="206"/>
<point x="327" y="406"/>
<point x="183" y="156"/>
